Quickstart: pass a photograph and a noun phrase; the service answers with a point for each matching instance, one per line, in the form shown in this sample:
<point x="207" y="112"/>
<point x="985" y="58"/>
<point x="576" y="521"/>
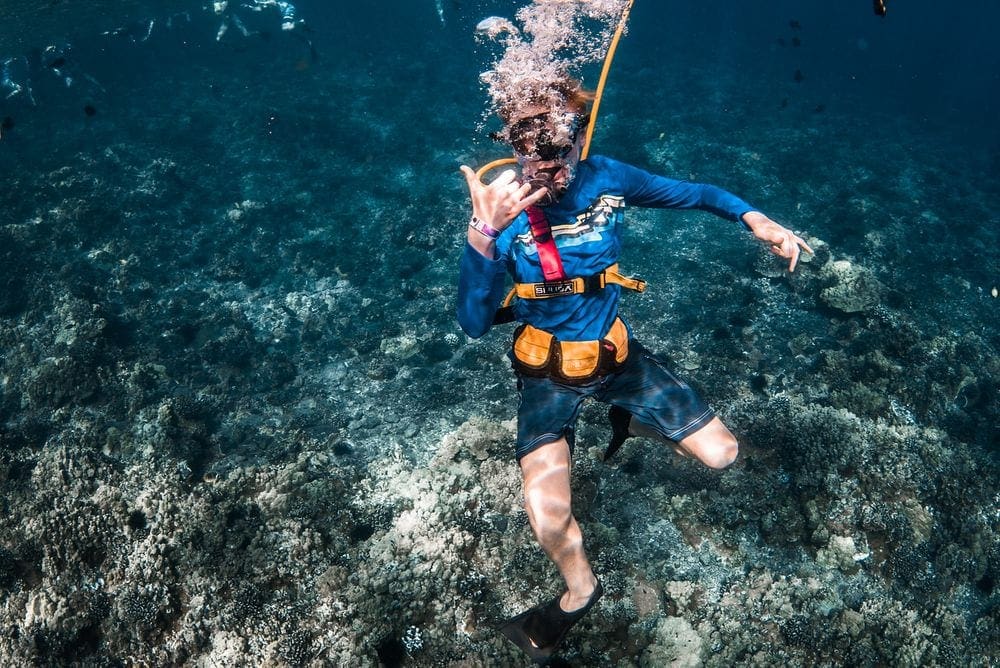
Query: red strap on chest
<point x="548" y="254"/>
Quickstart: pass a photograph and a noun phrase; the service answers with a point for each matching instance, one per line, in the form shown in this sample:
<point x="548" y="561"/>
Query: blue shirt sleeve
<point x="649" y="190"/>
<point x="480" y="289"/>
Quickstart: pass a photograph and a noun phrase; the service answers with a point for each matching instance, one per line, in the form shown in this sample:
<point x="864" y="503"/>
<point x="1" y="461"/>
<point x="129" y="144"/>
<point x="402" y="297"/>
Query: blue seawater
<point x="239" y="423"/>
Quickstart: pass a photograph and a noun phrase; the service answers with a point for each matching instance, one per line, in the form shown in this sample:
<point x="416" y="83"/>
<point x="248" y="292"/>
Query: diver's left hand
<point x="782" y="241"/>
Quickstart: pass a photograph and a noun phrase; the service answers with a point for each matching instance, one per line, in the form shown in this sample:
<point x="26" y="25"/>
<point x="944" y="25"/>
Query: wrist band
<point x="485" y="229"/>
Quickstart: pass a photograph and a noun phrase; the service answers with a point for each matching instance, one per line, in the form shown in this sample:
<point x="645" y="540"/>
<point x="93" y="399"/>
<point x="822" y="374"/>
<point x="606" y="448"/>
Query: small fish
<point x="90" y="110"/>
<point x="820" y="108"/>
<point x="794" y="24"/>
<point x="796" y="42"/>
<point x="57" y="63"/>
<point x="494" y="27"/>
<point x="8" y="123"/>
<point x="799" y="77"/>
<point x="879" y="7"/>
<point x="784" y="103"/>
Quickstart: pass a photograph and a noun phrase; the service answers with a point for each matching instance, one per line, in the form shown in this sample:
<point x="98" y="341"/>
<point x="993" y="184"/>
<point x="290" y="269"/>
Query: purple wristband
<point x="485" y="229"/>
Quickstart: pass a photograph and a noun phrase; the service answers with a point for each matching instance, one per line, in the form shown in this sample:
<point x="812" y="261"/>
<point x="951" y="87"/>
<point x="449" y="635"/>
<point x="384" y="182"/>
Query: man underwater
<point x="558" y="231"/>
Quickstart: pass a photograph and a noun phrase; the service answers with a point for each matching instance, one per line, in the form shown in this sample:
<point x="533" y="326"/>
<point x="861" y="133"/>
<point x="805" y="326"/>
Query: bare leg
<point x="713" y="445"/>
<point x="547" y="499"/>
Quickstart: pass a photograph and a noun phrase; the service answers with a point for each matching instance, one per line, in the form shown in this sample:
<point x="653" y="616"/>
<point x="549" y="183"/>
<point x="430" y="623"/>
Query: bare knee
<point x="550" y="518"/>
<point x="713" y="445"/>
<point x="721" y="454"/>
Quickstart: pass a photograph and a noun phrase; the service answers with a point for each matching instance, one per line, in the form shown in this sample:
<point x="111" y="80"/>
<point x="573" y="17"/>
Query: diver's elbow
<point x="473" y="323"/>
<point x="474" y="329"/>
<point x="473" y="316"/>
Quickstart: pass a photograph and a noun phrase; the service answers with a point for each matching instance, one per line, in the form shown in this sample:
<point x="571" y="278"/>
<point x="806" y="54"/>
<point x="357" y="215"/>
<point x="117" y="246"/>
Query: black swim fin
<point x="619" y="419"/>
<point x="540" y="630"/>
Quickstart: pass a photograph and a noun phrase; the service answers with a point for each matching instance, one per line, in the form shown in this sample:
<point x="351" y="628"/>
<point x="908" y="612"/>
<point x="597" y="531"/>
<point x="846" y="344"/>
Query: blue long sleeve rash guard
<point x="587" y="225"/>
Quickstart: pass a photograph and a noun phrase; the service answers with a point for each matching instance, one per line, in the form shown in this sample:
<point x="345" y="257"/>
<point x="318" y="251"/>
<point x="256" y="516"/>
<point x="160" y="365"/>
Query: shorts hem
<point x="692" y="426"/>
<point x="536" y="443"/>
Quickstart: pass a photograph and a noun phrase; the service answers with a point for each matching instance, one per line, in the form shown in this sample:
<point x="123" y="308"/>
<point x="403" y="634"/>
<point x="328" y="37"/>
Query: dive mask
<point x="547" y="138"/>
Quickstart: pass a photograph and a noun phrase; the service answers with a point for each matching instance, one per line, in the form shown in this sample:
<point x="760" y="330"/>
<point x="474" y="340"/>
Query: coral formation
<point x="852" y="288"/>
<point x="238" y="425"/>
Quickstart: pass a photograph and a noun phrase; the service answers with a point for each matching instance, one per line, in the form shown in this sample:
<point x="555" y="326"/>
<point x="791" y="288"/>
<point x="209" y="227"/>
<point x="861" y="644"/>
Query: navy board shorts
<point x="644" y="386"/>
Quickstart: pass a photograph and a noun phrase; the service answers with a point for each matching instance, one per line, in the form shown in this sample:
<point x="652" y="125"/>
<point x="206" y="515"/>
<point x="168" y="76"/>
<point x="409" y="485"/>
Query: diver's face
<point x="548" y="149"/>
<point x="552" y="175"/>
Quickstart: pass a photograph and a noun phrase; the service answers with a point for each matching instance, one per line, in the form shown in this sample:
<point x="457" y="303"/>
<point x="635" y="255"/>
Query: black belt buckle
<point x="593" y="283"/>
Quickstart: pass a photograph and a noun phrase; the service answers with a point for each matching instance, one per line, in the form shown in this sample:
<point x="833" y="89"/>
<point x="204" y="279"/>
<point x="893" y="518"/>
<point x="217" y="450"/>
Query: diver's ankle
<point x="572" y="601"/>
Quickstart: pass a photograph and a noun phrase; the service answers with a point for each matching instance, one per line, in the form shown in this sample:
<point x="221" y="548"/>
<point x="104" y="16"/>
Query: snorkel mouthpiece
<point x="544" y="179"/>
<point x="549" y="197"/>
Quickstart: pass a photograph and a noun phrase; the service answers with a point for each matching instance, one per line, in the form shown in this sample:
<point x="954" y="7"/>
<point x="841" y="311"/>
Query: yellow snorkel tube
<point x="482" y="171"/>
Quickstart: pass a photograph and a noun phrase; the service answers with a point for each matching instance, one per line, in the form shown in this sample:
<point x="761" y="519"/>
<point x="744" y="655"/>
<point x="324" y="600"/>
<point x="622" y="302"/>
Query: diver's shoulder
<point x="608" y="171"/>
<point x="597" y="161"/>
<point x="602" y="163"/>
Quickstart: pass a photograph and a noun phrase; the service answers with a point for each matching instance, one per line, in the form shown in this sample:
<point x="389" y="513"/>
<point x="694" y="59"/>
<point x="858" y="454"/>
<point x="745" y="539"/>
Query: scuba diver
<point x="226" y="10"/>
<point x="15" y="78"/>
<point x="59" y="61"/>
<point x="558" y="230"/>
<point x="23" y="75"/>
<point x="287" y="10"/>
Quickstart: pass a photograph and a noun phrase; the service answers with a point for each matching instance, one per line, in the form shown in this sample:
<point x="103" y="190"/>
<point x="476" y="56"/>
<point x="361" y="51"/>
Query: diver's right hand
<point x="499" y="202"/>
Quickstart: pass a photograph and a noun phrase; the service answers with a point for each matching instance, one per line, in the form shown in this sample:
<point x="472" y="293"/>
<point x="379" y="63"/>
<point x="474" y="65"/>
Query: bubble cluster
<point x="541" y="61"/>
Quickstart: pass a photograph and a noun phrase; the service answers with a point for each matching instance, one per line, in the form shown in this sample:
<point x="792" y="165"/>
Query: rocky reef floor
<point x="239" y="425"/>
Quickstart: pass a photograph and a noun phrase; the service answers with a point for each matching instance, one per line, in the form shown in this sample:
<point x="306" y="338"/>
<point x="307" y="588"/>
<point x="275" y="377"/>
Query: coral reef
<point x="239" y="426"/>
